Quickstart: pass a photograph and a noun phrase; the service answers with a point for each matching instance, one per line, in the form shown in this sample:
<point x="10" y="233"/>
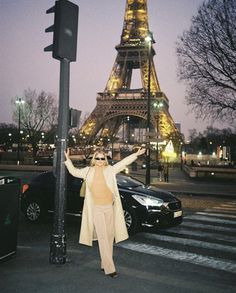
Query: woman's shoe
<point x="113" y="275"/>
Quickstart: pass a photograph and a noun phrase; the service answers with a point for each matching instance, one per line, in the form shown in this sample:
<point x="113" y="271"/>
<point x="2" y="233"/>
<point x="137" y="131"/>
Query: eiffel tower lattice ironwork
<point x="118" y="100"/>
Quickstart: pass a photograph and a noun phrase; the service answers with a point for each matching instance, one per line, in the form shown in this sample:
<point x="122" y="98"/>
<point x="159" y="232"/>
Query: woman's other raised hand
<point x="67" y="153"/>
<point x="140" y="151"/>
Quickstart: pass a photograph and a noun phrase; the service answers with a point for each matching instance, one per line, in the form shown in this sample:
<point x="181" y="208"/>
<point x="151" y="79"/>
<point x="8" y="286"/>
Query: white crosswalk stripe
<point x="223" y="212"/>
<point x="221" y="208"/>
<point x="210" y="219"/>
<point x="205" y="234"/>
<point x="191" y="242"/>
<point x="199" y="233"/>
<point x="210" y="226"/>
<point x="228" y="206"/>
<point x="229" y="216"/>
<point x="194" y="258"/>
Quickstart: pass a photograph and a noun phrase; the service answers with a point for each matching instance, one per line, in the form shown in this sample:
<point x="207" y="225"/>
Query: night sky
<point x="24" y="64"/>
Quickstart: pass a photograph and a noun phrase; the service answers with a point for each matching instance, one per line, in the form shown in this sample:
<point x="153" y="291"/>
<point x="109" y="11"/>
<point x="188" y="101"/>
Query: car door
<point x="74" y="201"/>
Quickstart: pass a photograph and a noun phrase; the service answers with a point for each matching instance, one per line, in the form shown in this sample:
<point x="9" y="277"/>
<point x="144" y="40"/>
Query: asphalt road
<point x="196" y="256"/>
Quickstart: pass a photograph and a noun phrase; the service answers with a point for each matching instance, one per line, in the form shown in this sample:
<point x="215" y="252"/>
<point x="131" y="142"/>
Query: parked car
<point x="142" y="205"/>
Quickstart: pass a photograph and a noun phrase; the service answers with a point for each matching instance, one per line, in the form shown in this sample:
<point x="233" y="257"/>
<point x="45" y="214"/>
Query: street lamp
<point x="19" y="102"/>
<point x="158" y="106"/>
<point x="148" y="40"/>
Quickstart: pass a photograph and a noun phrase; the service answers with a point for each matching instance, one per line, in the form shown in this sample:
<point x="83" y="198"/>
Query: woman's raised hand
<point x="67" y="153"/>
<point x="140" y="151"/>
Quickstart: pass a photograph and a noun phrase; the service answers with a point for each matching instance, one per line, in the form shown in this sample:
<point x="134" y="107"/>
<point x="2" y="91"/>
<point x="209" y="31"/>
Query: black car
<point x="142" y="205"/>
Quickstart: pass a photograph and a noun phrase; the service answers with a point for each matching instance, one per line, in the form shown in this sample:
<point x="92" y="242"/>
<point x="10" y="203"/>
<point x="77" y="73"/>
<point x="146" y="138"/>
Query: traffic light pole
<point x="19" y="138"/>
<point x="58" y="236"/>
<point x="148" y="173"/>
<point x="64" y="48"/>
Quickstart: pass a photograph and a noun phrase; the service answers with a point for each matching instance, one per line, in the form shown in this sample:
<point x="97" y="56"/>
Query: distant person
<point x="192" y="163"/>
<point x="166" y="172"/>
<point x="103" y="216"/>
<point x="160" y="169"/>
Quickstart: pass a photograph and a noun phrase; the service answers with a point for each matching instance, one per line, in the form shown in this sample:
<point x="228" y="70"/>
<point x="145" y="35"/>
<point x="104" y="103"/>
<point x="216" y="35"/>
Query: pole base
<point x="57" y="249"/>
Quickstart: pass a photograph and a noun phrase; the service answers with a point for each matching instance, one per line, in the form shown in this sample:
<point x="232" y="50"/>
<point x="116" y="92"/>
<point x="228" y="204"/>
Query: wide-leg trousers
<point x="103" y="220"/>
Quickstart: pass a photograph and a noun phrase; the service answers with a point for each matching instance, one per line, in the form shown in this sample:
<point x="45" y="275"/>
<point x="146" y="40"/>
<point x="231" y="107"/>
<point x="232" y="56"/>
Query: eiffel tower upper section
<point x="118" y="98"/>
<point x="133" y="52"/>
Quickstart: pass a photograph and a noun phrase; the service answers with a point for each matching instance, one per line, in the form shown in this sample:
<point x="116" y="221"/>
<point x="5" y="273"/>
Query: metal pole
<point x="18" y="147"/>
<point x="158" y="134"/>
<point x="148" y="118"/>
<point x="181" y="156"/>
<point x="58" y="237"/>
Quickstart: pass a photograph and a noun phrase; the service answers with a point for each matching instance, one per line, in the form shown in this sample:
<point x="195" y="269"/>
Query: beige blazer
<point x="87" y="234"/>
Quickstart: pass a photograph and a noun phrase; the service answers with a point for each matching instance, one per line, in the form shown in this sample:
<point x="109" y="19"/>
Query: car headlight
<point x="148" y="200"/>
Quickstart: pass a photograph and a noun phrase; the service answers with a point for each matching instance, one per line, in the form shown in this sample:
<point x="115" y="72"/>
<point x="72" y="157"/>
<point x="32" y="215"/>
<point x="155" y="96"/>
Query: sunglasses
<point x="100" y="159"/>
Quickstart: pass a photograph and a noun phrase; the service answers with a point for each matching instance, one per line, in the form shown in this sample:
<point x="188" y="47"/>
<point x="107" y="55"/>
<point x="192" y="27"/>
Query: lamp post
<point x="148" y="40"/>
<point x="19" y="102"/>
<point x="158" y="106"/>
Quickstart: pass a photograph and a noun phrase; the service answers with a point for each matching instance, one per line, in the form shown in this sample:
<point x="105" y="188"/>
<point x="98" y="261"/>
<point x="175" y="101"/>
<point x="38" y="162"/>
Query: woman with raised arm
<point x="103" y="216"/>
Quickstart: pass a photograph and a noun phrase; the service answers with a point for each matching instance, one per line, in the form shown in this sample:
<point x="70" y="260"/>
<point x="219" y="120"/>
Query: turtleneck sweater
<point x="102" y="195"/>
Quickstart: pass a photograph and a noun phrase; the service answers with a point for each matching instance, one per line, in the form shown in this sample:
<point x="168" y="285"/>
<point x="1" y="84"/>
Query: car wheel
<point x="34" y="211"/>
<point x="131" y="221"/>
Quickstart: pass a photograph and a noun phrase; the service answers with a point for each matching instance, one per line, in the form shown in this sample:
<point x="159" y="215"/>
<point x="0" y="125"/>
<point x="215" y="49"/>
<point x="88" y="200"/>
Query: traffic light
<point x="74" y="117"/>
<point x="64" y="30"/>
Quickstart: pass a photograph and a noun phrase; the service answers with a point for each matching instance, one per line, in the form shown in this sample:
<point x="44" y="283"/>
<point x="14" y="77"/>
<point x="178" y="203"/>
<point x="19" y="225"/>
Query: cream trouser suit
<point x="103" y="220"/>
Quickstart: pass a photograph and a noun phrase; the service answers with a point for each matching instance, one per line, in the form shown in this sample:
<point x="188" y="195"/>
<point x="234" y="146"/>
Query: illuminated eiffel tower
<point x="119" y="101"/>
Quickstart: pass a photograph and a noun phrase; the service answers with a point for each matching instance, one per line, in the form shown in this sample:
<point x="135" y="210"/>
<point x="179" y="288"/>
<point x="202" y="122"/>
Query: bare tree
<point x="38" y="113"/>
<point x="207" y="61"/>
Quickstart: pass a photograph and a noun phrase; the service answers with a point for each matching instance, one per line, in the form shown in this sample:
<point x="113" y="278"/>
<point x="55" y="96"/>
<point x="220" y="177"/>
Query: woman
<point x="102" y="217"/>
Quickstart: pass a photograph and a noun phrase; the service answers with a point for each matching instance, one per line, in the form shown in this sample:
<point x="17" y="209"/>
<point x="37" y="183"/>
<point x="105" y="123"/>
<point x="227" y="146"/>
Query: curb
<point x="189" y="193"/>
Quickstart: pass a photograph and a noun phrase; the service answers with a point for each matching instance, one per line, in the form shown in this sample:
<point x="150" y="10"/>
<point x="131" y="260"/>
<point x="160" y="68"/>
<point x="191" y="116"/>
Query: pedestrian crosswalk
<point x="206" y="238"/>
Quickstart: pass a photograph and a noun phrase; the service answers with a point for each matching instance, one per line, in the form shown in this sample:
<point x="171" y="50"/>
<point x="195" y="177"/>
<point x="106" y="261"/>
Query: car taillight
<point x="24" y="188"/>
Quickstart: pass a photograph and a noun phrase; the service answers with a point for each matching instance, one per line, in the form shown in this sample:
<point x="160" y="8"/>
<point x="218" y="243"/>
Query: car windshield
<point x="125" y="181"/>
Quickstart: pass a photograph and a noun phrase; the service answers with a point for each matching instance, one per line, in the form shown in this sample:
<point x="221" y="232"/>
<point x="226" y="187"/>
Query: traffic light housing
<point x="74" y="117"/>
<point x="64" y="30"/>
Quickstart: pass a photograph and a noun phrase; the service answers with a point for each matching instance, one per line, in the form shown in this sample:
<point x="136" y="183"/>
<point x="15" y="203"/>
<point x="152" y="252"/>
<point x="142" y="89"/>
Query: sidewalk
<point x="30" y="271"/>
<point x="179" y="183"/>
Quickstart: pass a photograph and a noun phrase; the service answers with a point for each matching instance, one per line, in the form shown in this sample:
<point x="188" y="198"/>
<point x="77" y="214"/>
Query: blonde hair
<point x="92" y="162"/>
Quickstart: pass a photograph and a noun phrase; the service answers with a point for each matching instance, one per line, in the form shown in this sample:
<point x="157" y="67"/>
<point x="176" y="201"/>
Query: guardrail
<point x="205" y="171"/>
<point x="25" y="168"/>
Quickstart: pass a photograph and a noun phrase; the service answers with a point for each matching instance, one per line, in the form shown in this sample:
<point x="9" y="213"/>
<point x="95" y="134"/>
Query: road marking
<point x="217" y="215"/>
<point x="7" y="255"/>
<point x="202" y="234"/>
<point x="190" y="242"/>
<point x="227" y="205"/>
<point x="209" y="226"/>
<point x="222" y="212"/>
<point x="231" y="209"/>
<point x="210" y="219"/>
<point x="206" y="261"/>
<point x="232" y="202"/>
